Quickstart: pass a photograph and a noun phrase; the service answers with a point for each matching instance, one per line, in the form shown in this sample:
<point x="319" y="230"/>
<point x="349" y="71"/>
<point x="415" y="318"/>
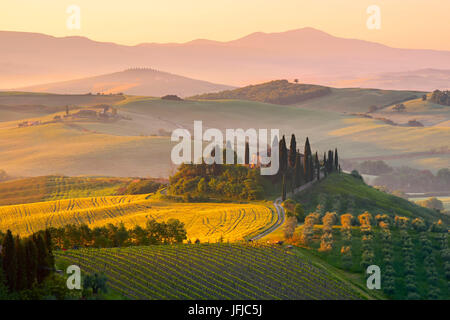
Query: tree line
<point x="25" y="262"/>
<point x="441" y="97"/>
<point x="74" y="236"/>
<point x="297" y="169"/>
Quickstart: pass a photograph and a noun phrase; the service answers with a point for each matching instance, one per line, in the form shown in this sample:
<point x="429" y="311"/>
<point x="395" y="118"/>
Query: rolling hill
<point x="344" y="193"/>
<point x="204" y="221"/>
<point x="277" y="92"/>
<point x="311" y="55"/>
<point x="422" y="80"/>
<point x="426" y="112"/>
<point x="39" y="189"/>
<point x="139" y="81"/>
<point x="17" y="105"/>
<point x="138" y="144"/>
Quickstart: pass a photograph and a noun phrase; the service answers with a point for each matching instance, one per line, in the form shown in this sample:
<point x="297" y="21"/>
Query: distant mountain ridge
<point x="308" y="54"/>
<point x="134" y="81"/>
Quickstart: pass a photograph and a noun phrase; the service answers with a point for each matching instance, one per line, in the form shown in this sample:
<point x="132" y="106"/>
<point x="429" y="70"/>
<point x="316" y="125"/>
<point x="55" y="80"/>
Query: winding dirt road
<point x="280" y="212"/>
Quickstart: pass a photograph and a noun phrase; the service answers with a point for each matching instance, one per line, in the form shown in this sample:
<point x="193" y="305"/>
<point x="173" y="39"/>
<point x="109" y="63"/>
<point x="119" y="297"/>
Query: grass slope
<point x="358" y="99"/>
<point x="71" y="150"/>
<point x="278" y="92"/>
<point x="126" y="147"/>
<point x="210" y="271"/>
<point x="16" y="98"/>
<point x="38" y="189"/>
<point x="425" y="112"/>
<point x="344" y="193"/>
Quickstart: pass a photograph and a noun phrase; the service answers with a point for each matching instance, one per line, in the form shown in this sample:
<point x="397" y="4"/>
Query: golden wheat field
<point x="203" y="221"/>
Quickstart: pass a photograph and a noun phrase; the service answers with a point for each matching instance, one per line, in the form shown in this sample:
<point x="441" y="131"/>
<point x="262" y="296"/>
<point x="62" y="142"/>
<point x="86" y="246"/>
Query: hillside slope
<point x="144" y="82"/>
<point x="144" y="132"/>
<point x="423" y="79"/>
<point x="277" y="92"/>
<point x="204" y="221"/>
<point x="358" y="99"/>
<point x="17" y="105"/>
<point x="38" y="189"/>
<point x="344" y="193"/>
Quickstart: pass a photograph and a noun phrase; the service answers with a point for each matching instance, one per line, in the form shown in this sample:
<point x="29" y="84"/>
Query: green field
<point x="211" y="271"/>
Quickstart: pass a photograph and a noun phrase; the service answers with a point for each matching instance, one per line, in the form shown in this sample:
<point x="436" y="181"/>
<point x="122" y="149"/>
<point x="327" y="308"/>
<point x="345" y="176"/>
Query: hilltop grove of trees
<point x="202" y="182"/>
<point x="277" y="92"/>
<point x="441" y="97"/>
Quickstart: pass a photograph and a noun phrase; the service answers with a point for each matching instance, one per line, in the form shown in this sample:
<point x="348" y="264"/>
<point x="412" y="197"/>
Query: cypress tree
<point x="43" y="269"/>
<point x="325" y="170"/>
<point x="49" y="245"/>
<point x="317" y="166"/>
<point x="330" y="161"/>
<point x="21" y="265"/>
<point x="31" y="262"/>
<point x="283" y="188"/>
<point x="306" y="160"/>
<point x="336" y="160"/>
<point x="9" y="260"/>
<point x="292" y="151"/>
<point x="247" y="153"/>
<point x="311" y="168"/>
<point x="3" y="288"/>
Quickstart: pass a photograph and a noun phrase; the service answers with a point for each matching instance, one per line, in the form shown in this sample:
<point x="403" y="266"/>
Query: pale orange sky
<point x="404" y="23"/>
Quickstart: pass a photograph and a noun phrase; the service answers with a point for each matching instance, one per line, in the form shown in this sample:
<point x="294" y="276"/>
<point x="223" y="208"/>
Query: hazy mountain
<point x="310" y="55"/>
<point x="146" y="82"/>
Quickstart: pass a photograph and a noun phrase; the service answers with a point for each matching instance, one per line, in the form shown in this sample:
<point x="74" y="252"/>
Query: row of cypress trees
<point x="297" y="169"/>
<point x="26" y="261"/>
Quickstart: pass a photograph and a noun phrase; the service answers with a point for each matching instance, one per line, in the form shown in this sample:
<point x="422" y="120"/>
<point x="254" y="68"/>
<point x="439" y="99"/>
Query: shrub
<point x="356" y="174"/>
<point x="142" y="186"/>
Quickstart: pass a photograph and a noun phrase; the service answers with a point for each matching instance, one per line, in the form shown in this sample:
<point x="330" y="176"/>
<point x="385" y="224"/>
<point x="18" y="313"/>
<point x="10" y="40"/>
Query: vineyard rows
<point x="209" y="271"/>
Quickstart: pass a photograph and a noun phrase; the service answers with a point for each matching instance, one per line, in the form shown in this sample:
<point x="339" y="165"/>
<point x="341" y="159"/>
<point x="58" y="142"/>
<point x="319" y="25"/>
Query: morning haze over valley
<point x="136" y="143"/>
